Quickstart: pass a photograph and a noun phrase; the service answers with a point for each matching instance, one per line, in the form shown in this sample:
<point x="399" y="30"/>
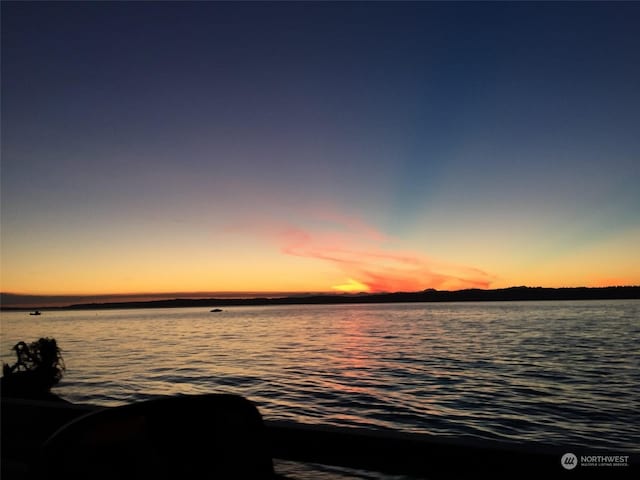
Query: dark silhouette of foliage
<point x="39" y="367"/>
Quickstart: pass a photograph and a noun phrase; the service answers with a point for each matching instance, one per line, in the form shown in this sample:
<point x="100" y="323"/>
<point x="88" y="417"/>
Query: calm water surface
<point x="560" y="373"/>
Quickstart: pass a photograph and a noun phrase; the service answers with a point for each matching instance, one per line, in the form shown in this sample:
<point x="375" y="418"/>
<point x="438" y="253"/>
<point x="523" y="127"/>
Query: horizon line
<point x="26" y="300"/>
<point x="22" y="300"/>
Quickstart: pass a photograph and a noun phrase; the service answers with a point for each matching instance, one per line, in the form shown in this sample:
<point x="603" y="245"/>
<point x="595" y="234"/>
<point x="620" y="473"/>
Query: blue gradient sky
<point x="169" y="147"/>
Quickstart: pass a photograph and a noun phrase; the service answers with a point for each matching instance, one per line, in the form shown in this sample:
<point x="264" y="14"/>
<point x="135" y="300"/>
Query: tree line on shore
<point x="430" y="295"/>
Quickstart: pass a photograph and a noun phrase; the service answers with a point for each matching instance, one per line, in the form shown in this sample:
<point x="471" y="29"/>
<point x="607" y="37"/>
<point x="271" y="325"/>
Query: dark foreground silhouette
<point x="206" y="436"/>
<point x="39" y="366"/>
<point x="218" y="436"/>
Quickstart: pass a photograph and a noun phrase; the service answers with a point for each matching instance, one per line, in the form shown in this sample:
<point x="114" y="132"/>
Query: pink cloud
<point x="358" y="250"/>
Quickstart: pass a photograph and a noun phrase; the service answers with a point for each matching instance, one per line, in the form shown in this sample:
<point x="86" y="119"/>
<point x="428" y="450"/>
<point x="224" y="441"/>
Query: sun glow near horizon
<point x="352" y="286"/>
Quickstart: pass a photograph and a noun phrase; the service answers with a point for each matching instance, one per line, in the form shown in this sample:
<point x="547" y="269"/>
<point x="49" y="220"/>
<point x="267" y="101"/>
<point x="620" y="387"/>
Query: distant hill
<point x="470" y="295"/>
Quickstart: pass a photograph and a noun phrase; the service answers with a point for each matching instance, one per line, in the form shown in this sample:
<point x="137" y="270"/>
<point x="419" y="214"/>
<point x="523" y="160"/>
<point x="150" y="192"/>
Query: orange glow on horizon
<point x="330" y="254"/>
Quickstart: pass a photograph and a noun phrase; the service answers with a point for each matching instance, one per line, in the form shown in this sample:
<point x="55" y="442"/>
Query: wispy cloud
<point x="367" y="260"/>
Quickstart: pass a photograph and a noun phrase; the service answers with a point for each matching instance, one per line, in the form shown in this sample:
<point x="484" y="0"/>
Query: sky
<point x="161" y="147"/>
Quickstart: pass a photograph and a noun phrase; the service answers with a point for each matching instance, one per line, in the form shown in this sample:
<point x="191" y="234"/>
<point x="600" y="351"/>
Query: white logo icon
<point x="569" y="461"/>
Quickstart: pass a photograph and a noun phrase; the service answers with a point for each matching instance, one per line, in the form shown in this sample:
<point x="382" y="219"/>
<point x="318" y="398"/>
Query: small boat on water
<point x="37" y="312"/>
<point x="216" y="310"/>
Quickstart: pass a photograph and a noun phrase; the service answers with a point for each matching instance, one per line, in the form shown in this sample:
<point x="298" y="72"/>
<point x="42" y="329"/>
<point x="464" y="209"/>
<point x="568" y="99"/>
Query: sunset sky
<point x="318" y="147"/>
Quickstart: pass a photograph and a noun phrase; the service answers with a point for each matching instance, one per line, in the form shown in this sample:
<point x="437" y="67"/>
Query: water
<point x="558" y="373"/>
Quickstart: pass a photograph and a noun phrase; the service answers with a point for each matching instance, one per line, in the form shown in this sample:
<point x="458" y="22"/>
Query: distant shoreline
<point x="426" y="296"/>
